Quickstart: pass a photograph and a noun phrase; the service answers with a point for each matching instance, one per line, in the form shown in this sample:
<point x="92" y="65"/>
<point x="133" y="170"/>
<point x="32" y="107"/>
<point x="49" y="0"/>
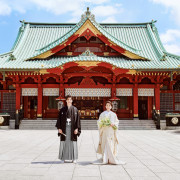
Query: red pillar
<point x="4" y="85"/>
<point x="135" y="101"/>
<point x="18" y="96"/>
<point x="157" y="96"/>
<point x="113" y="91"/>
<point x="39" y="104"/>
<point x="62" y="91"/>
<point x="104" y="103"/>
<point x="149" y="107"/>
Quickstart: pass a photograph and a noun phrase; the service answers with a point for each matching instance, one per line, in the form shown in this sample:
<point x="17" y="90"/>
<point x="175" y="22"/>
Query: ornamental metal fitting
<point x="87" y="53"/>
<point x="23" y="25"/>
<point x="87" y="14"/>
<point x="153" y="26"/>
<point x="163" y="57"/>
<point x="12" y="57"/>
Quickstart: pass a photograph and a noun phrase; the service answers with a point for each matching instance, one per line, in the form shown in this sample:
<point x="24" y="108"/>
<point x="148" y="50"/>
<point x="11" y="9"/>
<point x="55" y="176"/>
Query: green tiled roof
<point x="169" y="64"/>
<point x="138" y="38"/>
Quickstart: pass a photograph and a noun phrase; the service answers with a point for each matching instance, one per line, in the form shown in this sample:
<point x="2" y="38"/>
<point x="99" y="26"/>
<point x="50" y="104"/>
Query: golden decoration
<point x="87" y="64"/>
<point x="69" y="53"/>
<point x="90" y="26"/>
<point x="106" y="53"/>
<point x="131" y="71"/>
<point x="135" y="115"/>
<point x="132" y="55"/>
<point x="44" y="55"/>
<point x="39" y="115"/>
<point x="43" y="71"/>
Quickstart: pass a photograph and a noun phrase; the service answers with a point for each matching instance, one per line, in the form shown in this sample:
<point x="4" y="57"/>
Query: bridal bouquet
<point x="106" y="122"/>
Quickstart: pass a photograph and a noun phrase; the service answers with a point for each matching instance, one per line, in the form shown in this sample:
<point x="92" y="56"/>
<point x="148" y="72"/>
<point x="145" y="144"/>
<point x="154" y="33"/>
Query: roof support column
<point x="135" y="101"/>
<point x="157" y="96"/>
<point x="113" y="90"/>
<point x="61" y="88"/>
<point x="4" y="81"/>
<point x="39" y="104"/>
<point x="18" y="96"/>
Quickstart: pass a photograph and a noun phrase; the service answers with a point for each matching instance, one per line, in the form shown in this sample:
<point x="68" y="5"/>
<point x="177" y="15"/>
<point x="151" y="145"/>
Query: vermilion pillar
<point x="113" y="91"/>
<point x="135" y="101"/>
<point x="61" y="90"/>
<point x="4" y="85"/>
<point x="157" y="96"/>
<point x="18" y="96"/>
<point x="39" y="104"/>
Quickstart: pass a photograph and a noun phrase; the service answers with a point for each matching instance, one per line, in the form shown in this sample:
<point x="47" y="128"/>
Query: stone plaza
<point x="33" y="155"/>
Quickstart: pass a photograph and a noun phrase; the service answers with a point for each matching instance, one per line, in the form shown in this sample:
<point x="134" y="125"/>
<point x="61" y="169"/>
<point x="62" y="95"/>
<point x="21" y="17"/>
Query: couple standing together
<point x="69" y="127"/>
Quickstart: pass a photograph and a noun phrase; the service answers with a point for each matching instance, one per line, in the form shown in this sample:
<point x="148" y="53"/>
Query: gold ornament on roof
<point x="87" y="14"/>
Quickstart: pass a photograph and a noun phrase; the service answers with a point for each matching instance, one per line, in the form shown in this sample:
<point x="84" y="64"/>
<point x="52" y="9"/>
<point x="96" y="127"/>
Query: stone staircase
<point x="137" y="124"/>
<point x="89" y="124"/>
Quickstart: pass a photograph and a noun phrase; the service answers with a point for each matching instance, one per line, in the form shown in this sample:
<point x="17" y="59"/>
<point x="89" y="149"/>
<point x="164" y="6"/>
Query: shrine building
<point x="93" y="62"/>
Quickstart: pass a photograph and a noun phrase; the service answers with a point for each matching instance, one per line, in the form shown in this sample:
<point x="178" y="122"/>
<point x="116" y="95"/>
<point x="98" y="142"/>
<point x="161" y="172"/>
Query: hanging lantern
<point x="60" y="100"/>
<point x="114" y="100"/>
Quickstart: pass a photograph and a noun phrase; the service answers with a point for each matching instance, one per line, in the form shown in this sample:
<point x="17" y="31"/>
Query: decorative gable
<point x="88" y="27"/>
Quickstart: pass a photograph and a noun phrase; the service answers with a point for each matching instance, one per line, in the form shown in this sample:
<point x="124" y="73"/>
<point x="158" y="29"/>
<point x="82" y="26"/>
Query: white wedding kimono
<point x="108" y="139"/>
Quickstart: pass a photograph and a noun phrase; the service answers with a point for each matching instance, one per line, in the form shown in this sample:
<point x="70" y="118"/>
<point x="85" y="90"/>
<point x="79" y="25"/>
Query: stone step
<point x="89" y="124"/>
<point x="85" y="122"/>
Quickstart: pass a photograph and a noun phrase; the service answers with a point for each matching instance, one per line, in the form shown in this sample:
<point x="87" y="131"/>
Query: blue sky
<point x="166" y="12"/>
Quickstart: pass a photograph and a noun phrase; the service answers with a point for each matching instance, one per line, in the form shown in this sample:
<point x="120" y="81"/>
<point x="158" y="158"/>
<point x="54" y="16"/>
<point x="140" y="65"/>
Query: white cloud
<point x="72" y="8"/>
<point x="173" y="48"/>
<point x="105" y="11"/>
<point x="5" y="9"/>
<point x="110" y="19"/>
<point x="170" y="35"/>
<point x="58" y="6"/>
<point x="96" y="1"/>
<point x="171" y="40"/>
<point x="173" y="6"/>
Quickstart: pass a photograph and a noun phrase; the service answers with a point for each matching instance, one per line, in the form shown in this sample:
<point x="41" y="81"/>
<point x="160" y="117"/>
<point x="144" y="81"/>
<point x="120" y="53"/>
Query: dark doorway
<point x="89" y="107"/>
<point x="143" y="108"/>
<point x="30" y="107"/>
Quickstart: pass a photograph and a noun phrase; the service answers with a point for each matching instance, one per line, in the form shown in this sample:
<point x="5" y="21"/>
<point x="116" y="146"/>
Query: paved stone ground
<point x="33" y="155"/>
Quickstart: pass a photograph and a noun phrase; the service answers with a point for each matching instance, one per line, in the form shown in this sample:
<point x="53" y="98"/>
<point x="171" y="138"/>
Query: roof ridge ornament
<point x="153" y="25"/>
<point x="12" y="57"/>
<point x="163" y="57"/>
<point x="23" y="25"/>
<point x="87" y="53"/>
<point x="88" y="14"/>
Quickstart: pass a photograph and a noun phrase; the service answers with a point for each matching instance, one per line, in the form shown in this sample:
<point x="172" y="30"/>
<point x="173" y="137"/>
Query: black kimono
<point x="73" y="113"/>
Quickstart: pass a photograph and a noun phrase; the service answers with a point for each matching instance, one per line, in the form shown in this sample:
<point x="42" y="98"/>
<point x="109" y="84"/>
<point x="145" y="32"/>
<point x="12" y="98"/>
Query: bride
<point x="108" y="137"/>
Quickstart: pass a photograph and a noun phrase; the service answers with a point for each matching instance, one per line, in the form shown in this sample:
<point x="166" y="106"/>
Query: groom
<point x="69" y="127"/>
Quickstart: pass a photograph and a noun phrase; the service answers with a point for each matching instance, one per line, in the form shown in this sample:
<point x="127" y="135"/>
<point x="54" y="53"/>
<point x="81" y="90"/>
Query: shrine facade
<point x="93" y="62"/>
